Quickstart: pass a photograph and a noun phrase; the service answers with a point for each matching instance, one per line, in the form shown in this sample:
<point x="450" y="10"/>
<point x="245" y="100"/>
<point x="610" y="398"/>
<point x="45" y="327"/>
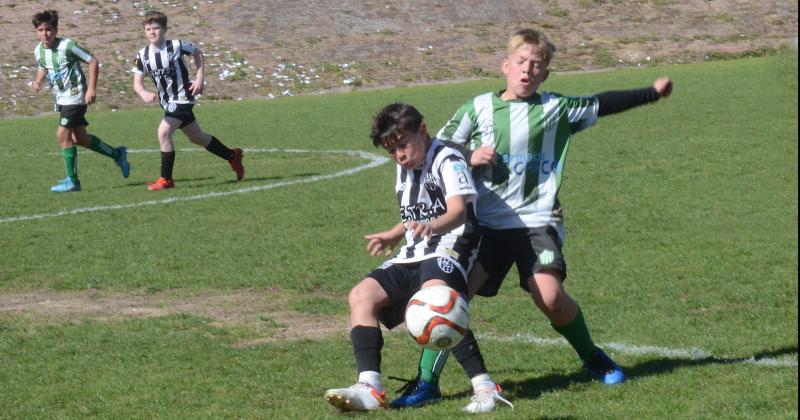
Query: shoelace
<point x="483" y="395"/>
<point x="408" y="382"/>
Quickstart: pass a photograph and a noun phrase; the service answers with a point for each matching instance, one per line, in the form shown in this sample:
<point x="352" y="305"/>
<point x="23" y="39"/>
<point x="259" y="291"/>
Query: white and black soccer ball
<point x="437" y="317"/>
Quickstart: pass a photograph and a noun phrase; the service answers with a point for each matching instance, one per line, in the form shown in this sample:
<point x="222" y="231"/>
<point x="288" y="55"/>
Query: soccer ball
<point x="437" y="317"/>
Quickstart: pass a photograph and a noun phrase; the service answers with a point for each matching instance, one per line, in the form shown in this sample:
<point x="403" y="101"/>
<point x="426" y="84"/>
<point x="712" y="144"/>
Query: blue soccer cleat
<point x="66" y="185"/>
<point x="122" y="161"/>
<point x="602" y="368"/>
<point x="417" y="393"/>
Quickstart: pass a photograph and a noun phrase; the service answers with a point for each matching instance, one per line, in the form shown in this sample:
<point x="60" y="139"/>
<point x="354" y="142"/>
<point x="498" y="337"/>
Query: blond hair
<point x="535" y="38"/>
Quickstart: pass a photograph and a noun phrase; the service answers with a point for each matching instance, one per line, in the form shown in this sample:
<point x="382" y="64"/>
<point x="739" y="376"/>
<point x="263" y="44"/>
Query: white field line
<point x="373" y="161"/>
<point x="634" y="350"/>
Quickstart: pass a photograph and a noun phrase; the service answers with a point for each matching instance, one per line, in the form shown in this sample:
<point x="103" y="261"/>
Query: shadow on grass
<point x="534" y="387"/>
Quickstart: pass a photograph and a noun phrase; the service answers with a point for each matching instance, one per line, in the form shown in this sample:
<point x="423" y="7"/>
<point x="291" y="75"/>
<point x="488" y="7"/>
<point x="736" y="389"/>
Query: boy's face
<point x="155" y="33"/>
<point x="525" y="70"/>
<point x="47" y="34"/>
<point x="410" y="149"/>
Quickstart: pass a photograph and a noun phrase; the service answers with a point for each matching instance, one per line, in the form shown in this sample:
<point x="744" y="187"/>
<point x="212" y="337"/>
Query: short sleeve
<point x="459" y="127"/>
<point x="79" y="51"/>
<point x="138" y="66"/>
<point x="187" y="48"/>
<point x="456" y="177"/>
<point x="581" y="111"/>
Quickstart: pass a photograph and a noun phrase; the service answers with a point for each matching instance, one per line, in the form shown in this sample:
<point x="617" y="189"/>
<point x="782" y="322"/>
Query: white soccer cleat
<point x="485" y="400"/>
<point x="357" y="397"/>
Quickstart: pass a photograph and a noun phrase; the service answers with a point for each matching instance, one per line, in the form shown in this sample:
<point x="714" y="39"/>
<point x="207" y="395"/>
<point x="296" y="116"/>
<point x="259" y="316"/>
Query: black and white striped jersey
<point x="423" y="193"/>
<point x="166" y="67"/>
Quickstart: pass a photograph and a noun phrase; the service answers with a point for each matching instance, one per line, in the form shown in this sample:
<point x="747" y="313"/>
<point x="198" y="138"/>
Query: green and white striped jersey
<point x="63" y="70"/>
<point x="531" y="138"/>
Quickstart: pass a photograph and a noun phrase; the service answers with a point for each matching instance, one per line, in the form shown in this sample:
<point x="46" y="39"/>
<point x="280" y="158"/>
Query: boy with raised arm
<point x="518" y="140"/>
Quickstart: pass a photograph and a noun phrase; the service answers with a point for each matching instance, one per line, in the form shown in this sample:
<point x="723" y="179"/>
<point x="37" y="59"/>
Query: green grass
<point x="682" y="221"/>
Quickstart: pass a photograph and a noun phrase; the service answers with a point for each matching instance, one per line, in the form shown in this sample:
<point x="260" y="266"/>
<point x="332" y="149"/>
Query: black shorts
<point x="401" y="281"/>
<point x="72" y="116"/>
<point x="532" y="249"/>
<point x="181" y="112"/>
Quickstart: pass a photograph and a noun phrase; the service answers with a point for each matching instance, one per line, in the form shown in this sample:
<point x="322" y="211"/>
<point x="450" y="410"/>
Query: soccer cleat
<point x="161" y="184"/>
<point x="358" y="397"/>
<point x="417" y="393"/>
<point x="122" y="161"/>
<point x="66" y="185"/>
<point x="236" y="163"/>
<point x="485" y="400"/>
<point x="602" y="368"/>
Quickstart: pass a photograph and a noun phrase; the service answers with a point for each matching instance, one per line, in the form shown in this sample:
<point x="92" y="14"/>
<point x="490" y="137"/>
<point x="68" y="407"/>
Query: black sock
<point x="216" y="147"/>
<point x="469" y="356"/>
<point x="167" y="162"/>
<point x="367" y="344"/>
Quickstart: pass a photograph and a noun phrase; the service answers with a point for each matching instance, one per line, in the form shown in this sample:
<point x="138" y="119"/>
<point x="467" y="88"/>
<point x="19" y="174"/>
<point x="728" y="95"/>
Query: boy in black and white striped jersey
<point x="435" y="192"/>
<point x="162" y="59"/>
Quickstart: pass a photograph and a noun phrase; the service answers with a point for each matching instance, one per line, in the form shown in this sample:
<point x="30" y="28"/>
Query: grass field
<point x="682" y="250"/>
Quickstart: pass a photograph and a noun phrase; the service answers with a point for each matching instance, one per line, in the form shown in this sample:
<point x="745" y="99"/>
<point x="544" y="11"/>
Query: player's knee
<point x="360" y="296"/>
<point x="552" y="304"/>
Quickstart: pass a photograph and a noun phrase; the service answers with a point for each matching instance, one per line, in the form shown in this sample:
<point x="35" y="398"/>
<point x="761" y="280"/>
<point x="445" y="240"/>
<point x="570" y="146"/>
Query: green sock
<point x="101" y="147"/>
<point x="71" y="162"/>
<point x="431" y="364"/>
<point x="578" y="336"/>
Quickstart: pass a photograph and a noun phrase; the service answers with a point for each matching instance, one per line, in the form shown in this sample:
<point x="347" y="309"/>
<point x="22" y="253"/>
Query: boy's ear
<point x="504" y="65"/>
<point x="546" y="74"/>
<point x="423" y="129"/>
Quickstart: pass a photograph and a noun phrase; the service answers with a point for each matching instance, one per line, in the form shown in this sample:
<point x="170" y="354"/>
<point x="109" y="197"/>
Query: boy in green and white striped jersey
<point x="58" y="60"/>
<point x="518" y="140"/>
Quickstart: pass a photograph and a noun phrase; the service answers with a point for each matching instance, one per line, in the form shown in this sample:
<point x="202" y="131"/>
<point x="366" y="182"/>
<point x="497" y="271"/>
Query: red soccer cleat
<point x="161" y="184"/>
<point x="236" y="163"/>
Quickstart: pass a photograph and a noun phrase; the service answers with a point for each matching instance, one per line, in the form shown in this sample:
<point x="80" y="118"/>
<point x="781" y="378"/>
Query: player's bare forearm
<point x="143" y="93"/>
<point x="199" y="62"/>
<point x="37" y="82"/>
<point x="382" y="243"/>
<point x="454" y="217"/>
<point x="94" y="71"/>
<point x="91" y="83"/>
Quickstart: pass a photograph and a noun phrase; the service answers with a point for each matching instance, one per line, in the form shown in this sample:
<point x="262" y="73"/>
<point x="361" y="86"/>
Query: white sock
<point x="372" y="378"/>
<point x="481" y="381"/>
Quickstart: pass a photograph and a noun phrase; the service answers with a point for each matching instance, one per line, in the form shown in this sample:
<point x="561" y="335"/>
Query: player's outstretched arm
<point x="613" y="102"/>
<point x="383" y="243"/>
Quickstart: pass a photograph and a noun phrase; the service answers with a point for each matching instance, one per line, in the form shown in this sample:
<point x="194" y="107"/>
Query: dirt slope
<point x="288" y="47"/>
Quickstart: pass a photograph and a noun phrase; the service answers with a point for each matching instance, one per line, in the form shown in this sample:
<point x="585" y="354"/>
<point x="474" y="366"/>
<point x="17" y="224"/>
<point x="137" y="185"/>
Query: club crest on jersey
<point x="431" y="184"/>
<point x="445" y="264"/>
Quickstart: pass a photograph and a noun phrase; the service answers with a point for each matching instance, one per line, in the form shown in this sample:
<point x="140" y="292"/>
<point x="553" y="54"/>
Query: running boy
<point x="435" y="192"/>
<point x="519" y="140"/>
<point x="58" y="59"/>
<point x="162" y="59"/>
